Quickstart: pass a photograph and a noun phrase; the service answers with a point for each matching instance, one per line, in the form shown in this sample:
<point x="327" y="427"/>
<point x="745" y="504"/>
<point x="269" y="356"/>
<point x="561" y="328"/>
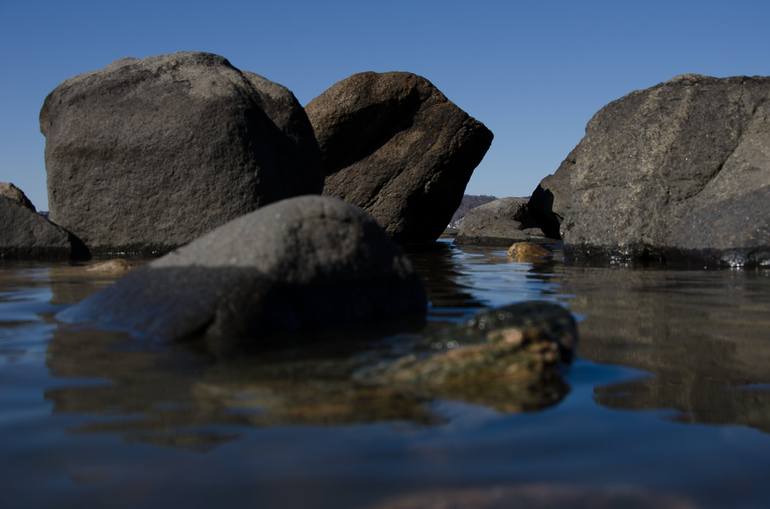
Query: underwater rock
<point x="304" y="263"/>
<point x="679" y="171"/>
<point x="394" y="145"/>
<point x="527" y="252"/>
<point x="145" y="155"/>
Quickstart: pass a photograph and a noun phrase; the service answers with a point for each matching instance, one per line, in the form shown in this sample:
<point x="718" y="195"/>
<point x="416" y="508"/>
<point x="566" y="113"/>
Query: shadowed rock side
<point x="395" y="146"/>
<point x="25" y="234"/>
<point x="146" y="155"/>
<point x="702" y="339"/>
<point x="677" y="171"/>
<point x="303" y="263"/>
<point x="497" y="223"/>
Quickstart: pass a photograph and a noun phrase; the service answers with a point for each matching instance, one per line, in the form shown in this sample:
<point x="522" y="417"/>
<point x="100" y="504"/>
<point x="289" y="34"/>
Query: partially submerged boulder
<point x="305" y="263"/>
<point x="394" y="145"/>
<point x="497" y="223"/>
<point x="679" y="171"/>
<point x="26" y="234"/>
<point x="146" y="155"/>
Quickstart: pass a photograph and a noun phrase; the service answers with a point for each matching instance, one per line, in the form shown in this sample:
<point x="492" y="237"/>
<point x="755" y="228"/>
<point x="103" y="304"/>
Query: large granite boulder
<point x="304" y="263"/>
<point x="26" y="234"/>
<point x="146" y="155"/>
<point x="497" y="223"/>
<point x="679" y="171"/>
<point x="394" y="145"/>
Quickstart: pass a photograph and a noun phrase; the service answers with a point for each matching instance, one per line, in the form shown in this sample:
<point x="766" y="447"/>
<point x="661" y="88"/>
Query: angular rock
<point x="10" y="191"/>
<point x="394" y="145"/>
<point x="497" y="223"/>
<point x="305" y="263"/>
<point x="469" y="202"/>
<point x="679" y="171"/>
<point x="26" y="234"/>
<point x="146" y="155"/>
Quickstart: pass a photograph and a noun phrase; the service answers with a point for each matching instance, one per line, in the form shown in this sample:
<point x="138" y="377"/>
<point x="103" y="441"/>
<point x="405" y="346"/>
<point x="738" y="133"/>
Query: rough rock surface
<point x="469" y="202"/>
<point x="305" y="263"/>
<point x="10" y="191"/>
<point x="394" y="145"/>
<point x="498" y="222"/>
<point x="679" y="171"/>
<point x="26" y="234"/>
<point x="146" y="155"/>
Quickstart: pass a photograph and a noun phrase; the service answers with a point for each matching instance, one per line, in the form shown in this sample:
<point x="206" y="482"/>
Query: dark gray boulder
<point x="676" y="172"/>
<point x="304" y="263"/>
<point x="146" y="155"/>
<point x="497" y="223"/>
<point x="25" y="234"/>
<point x="394" y="145"/>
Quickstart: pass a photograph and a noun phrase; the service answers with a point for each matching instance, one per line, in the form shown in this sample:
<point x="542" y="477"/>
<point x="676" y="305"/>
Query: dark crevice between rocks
<point x="539" y="213"/>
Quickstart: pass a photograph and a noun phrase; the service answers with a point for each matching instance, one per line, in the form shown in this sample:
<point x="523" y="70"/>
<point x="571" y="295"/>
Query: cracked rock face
<point x="679" y="170"/>
<point x="146" y="155"/>
<point x="394" y="145"/>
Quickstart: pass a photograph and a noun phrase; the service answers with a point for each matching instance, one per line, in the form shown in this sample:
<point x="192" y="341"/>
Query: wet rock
<point x="13" y="193"/>
<point x="527" y="252"/>
<point x="146" y="155"/>
<point x="305" y="263"/>
<point x="394" y="145"/>
<point x="679" y="171"/>
<point x="117" y="266"/>
<point x="25" y="234"/>
<point x="497" y="223"/>
<point x="517" y="349"/>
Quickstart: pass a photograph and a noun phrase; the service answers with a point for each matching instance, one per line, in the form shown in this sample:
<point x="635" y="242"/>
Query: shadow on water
<point x="703" y="336"/>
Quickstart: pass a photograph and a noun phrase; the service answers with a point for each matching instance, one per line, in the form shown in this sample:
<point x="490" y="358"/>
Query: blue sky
<point x="533" y="72"/>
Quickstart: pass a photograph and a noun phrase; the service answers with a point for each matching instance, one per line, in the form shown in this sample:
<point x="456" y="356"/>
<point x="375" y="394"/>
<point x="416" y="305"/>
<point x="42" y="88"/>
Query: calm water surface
<point x="668" y="403"/>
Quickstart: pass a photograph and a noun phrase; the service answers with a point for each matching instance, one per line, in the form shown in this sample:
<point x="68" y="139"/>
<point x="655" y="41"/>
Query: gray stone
<point x="676" y="172"/>
<point x="499" y="223"/>
<point x="305" y="263"/>
<point x="10" y="191"/>
<point x="394" y="145"/>
<point x="25" y="234"/>
<point x="146" y="155"/>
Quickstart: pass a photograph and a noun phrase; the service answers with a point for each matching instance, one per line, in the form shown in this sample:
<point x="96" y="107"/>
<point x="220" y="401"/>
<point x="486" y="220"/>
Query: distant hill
<point x="469" y="201"/>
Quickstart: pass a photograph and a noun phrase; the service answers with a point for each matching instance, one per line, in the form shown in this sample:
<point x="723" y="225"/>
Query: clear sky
<point x="533" y="71"/>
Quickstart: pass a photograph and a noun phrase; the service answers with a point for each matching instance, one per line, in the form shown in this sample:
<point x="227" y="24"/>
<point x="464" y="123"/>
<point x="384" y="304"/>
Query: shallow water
<point x="668" y="403"/>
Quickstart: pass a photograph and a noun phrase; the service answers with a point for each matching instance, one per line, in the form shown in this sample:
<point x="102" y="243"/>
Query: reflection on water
<point x="704" y="337"/>
<point x="96" y="414"/>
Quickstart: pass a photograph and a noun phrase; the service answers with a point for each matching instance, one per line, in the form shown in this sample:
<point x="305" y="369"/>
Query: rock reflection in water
<point x="703" y="336"/>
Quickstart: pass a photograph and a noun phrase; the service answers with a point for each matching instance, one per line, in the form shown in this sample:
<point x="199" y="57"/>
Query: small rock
<point x="528" y="252"/>
<point x="25" y="234"/>
<point x="10" y="191"/>
<point x="117" y="266"/>
<point x="497" y="223"/>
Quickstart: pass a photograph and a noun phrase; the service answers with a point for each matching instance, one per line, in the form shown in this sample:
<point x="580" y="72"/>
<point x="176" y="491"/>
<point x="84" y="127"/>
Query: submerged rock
<point x="394" y="145"/>
<point x="677" y="171"/>
<point x="497" y="223"/>
<point x="528" y="252"/>
<point x="25" y="234"/>
<point x="305" y="263"/>
<point x="146" y="155"/>
<point x="13" y="193"/>
<point x="508" y="357"/>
